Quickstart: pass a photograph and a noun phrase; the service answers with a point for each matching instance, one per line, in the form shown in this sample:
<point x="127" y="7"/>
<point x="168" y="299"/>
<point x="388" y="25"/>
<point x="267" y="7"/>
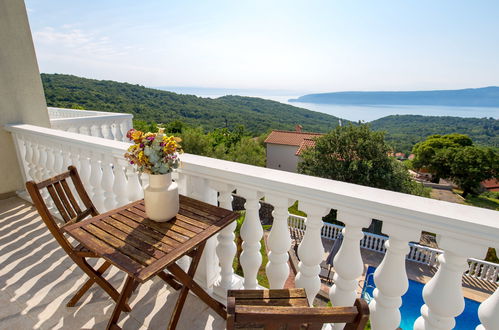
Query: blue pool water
<point x="413" y="300"/>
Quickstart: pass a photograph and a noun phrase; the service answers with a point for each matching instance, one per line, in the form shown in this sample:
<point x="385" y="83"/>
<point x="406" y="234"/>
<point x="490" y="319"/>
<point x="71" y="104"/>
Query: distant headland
<point x="470" y="97"/>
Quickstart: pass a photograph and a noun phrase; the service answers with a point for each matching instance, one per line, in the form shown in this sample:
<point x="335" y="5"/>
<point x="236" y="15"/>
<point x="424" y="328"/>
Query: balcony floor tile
<point x="37" y="279"/>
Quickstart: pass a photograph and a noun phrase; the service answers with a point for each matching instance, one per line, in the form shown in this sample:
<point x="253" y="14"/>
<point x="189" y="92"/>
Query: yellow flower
<point x="137" y="135"/>
<point x="142" y="157"/>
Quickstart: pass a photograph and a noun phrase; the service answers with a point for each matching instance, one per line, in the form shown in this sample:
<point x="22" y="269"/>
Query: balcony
<point x="33" y="259"/>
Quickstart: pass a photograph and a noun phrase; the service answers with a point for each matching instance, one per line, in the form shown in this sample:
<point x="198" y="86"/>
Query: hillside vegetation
<point x="153" y="105"/>
<point x="257" y="115"/>
<point x="404" y="131"/>
<point x="477" y="97"/>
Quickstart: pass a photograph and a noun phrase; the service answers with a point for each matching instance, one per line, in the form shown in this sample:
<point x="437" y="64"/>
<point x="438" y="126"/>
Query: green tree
<point x="434" y="153"/>
<point x="195" y="141"/>
<point x="455" y="157"/>
<point x="356" y="154"/>
<point x="471" y="165"/>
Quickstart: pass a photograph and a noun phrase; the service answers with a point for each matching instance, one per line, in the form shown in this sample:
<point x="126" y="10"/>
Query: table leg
<point x="187" y="279"/>
<point x="130" y="285"/>
<point x="185" y="289"/>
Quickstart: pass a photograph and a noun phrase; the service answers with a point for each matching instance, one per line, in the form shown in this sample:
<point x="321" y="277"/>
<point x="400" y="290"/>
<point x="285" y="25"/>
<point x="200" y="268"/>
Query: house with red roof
<point x="285" y="147"/>
<point x="491" y="184"/>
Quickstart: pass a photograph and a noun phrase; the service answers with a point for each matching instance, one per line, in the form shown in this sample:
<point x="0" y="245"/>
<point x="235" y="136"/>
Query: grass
<point x="483" y="201"/>
<point x="486" y="200"/>
<point x="293" y="209"/>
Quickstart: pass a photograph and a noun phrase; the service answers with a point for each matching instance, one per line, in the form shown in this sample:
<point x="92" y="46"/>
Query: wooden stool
<point x="288" y="309"/>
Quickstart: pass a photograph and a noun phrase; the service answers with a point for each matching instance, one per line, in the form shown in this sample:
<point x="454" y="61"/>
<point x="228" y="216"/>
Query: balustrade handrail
<point x="462" y="231"/>
<point x="79" y="120"/>
<point x="64" y="113"/>
<point x="473" y="224"/>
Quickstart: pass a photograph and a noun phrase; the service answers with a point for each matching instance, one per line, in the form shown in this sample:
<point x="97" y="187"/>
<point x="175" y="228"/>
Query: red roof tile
<point x="290" y="138"/>
<point x="491" y="184"/>
<point x="306" y="143"/>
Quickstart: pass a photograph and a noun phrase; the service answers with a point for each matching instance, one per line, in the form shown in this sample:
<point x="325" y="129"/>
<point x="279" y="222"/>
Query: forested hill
<point x="257" y="115"/>
<point x="478" y="97"/>
<point x="403" y="131"/>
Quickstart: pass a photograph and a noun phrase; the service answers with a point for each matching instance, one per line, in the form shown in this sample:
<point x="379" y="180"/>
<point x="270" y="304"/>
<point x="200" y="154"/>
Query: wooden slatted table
<point x="144" y="248"/>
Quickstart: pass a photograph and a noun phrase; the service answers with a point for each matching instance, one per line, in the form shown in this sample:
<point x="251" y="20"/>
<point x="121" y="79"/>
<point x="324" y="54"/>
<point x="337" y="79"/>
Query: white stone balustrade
<point x="442" y="294"/>
<point x="109" y="125"/>
<point x="463" y="231"/>
<point x="480" y="269"/>
<point x="310" y="250"/>
<point x="390" y="277"/>
<point x="251" y="233"/>
<point x="279" y="242"/>
<point x="348" y="261"/>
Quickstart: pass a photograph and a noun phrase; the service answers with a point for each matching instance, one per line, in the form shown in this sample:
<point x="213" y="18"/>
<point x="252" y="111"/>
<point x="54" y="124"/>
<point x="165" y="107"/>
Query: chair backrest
<point x="288" y="309"/>
<point x="65" y="201"/>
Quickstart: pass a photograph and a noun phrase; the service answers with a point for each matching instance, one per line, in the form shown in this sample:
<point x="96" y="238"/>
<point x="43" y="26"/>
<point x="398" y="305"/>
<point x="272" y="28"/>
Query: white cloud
<point x="75" y="42"/>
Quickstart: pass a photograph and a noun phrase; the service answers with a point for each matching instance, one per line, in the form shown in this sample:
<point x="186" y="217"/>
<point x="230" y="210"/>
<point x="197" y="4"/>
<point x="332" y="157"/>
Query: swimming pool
<point x="413" y="300"/>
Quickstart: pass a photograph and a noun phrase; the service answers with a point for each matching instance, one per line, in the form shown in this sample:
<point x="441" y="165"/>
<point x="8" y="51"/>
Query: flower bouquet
<point x="157" y="155"/>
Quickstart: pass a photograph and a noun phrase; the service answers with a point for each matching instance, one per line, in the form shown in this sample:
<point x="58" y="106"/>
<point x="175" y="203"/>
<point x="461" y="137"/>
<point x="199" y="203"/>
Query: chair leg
<point x="87" y="285"/>
<point x="105" y="285"/>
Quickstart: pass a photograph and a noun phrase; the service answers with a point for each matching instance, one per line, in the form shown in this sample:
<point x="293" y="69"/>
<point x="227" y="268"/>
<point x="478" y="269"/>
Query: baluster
<point x="279" y="242"/>
<point x="473" y="271"/>
<point x="37" y="172"/>
<point x="84" y="129"/>
<point x="442" y="294"/>
<point x="120" y="182"/>
<point x="95" y="130"/>
<point x="28" y="157"/>
<point x="348" y="262"/>
<point x="95" y="181"/>
<point x="488" y="312"/>
<point x="311" y="250"/>
<point x="72" y="129"/>
<point x="20" y="153"/>
<point x="251" y="233"/>
<point x="107" y="133"/>
<point x="84" y="170"/>
<point x="118" y="134"/>
<point x="133" y="187"/>
<point x="226" y="248"/>
<point x="391" y="277"/>
<point x="108" y="183"/>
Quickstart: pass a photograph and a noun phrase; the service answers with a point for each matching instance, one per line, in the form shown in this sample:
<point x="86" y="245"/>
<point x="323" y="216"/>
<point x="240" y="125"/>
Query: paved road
<point x="446" y="195"/>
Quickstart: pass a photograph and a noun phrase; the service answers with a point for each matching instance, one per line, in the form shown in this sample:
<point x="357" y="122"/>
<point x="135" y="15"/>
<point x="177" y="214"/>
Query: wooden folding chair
<point x="72" y="212"/>
<point x="288" y="309"/>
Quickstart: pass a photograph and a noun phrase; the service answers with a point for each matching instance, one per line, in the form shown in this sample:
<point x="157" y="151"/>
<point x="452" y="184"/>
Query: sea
<point x="364" y="113"/>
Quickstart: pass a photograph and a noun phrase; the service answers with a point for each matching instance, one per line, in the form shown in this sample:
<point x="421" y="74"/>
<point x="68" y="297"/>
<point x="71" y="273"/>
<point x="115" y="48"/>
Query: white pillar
<point x="226" y="248"/>
<point x="279" y="242"/>
<point x="488" y="312"/>
<point x="348" y="263"/>
<point x="311" y="250"/>
<point x="251" y="233"/>
<point x="133" y="187"/>
<point x="95" y="181"/>
<point x="208" y="270"/>
<point x="108" y="182"/>
<point x="120" y="183"/>
<point x="390" y="277"/>
<point x="442" y="294"/>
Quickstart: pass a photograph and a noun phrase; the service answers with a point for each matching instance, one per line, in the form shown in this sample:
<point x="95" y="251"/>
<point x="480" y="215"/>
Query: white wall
<point x="21" y="94"/>
<point x="282" y="157"/>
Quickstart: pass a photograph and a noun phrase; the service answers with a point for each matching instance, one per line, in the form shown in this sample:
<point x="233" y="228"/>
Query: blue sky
<point x="312" y="46"/>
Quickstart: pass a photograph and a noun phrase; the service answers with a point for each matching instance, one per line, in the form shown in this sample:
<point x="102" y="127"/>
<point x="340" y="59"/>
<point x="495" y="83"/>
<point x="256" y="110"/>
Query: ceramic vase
<point x="161" y="197"/>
